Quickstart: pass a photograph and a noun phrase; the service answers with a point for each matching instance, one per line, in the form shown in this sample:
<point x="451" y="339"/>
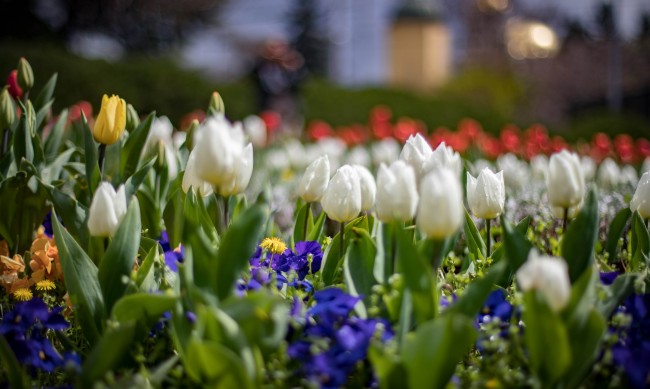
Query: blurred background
<point x="577" y="67"/>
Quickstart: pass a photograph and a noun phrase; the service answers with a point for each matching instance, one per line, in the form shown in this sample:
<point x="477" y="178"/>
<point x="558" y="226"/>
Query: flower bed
<point x="134" y="256"/>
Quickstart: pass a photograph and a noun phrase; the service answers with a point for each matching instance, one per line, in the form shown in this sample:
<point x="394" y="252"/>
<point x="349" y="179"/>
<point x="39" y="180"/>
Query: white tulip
<point x="334" y="148"/>
<point x="298" y="158"/>
<point x="646" y="165"/>
<point x="416" y="152"/>
<point x="641" y="199"/>
<point x="368" y="187"/>
<point x="588" y="166"/>
<point x="215" y="152"/>
<point x="444" y="156"/>
<point x="629" y="175"/>
<point x="440" y="211"/>
<point x="515" y="171"/>
<point x="315" y="180"/>
<point x="190" y="179"/>
<point x="342" y="198"/>
<point x="358" y="156"/>
<point x="161" y="133"/>
<point x="565" y="183"/>
<point x="242" y="176"/>
<point x="397" y="194"/>
<point x="609" y="174"/>
<point x="255" y="129"/>
<point x="486" y="195"/>
<point x="549" y="275"/>
<point x="107" y="210"/>
<point x="385" y="151"/>
<point x="539" y="166"/>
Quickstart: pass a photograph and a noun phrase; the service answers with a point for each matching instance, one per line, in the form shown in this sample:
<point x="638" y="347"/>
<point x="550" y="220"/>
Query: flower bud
<point x="7" y="110"/>
<point x="107" y="209"/>
<point x="243" y="170"/>
<point x="190" y="179"/>
<point x="416" y="152"/>
<point x="111" y="121"/>
<point x="132" y="118"/>
<point x="191" y="129"/>
<point x="216" y="104"/>
<point x="14" y="89"/>
<point x="588" y="166"/>
<point x="486" y="195"/>
<point x="515" y="171"/>
<point x="255" y="129"/>
<point x="440" y="211"/>
<point x="539" y="166"/>
<point x="342" y="198"/>
<point x="548" y="275"/>
<point x="609" y="174"/>
<point x="25" y="74"/>
<point x="397" y="193"/>
<point x="629" y="175"/>
<point x="314" y="182"/>
<point x="444" y="156"/>
<point x="385" y="151"/>
<point x="565" y="183"/>
<point x="641" y="199"/>
<point x="368" y="187"/>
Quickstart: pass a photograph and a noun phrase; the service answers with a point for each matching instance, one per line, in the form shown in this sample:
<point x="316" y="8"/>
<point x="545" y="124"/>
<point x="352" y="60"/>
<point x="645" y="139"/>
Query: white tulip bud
<point x="629" y="175"/>
<point x="190" y="179"/>
<point x="549" y="275"/>
<point x="609" y="174"/>
<point x="565" y="183"/>
<point x="342" y="198"/>
<point x="368" y="187"/>
<point x="444" y="156"/>
<point x="416" y="152"/>
<point x="216" y="152"/>
<point x="440" y="211"/>
<point x="539" y="166"/>
<point x="397" y="193"/>
<point x="385" y="151"/>
<point x="255" y="129"/>
<point x="588" y="167"/>
<point x="515" y="171"/>
<point x="243" y="171"/>
<point x="315" y="180"/>
<point x="646" y="165"/>
<point x="486" y="195"/>
<point x="358" y="156"/>
<point x="641" y="199"/>
<point x="107" y="210"/>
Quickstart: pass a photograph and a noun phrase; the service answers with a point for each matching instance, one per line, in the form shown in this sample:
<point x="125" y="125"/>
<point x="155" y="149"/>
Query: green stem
<point x="304" y="227"/>
<point x="102" y="157"/>
<point x="226" y="216"/>
<point x="565" y="220"/>
<point x="488" y="232"/>
<point x="5" y="141"/>
<point x="342" y="237"/>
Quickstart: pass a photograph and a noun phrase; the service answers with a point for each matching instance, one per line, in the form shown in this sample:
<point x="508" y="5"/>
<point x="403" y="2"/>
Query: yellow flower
<point x="274" y="245"/>
<point x="23" y="294"/>
<point x="111" y="121"/>
<point x="45" y="285"/>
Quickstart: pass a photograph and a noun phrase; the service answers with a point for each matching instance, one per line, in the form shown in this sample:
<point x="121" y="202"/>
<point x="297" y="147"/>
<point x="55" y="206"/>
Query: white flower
<point x="385" y="151"/>
<point x="486" y="195"/>
<point x="368" y="187"/>
<point x="334" y="148"/>
<point x="161" y="133"/>
<point x="397" y="194"/>
<point x="444" y="156"/>
<point x="565" y="183"/>
<point x="641" y="199"/>
<point x="646" y="165"/>
<point x="190" y="178"/>
<point x="315" y="180"/>
<point x="107" y="210"/>
<point x="298" y="158"/>
<point x="629" y="175"/>
<point x="588" y="167"/>
<point x="243" y="171"/>
<point x="440" y="211"/>
<point x="609" y="173"/>
<point x="358" y="156"/>
<point x="539" y="166"/>
<point x="342" y="198"/>
<point x="549" y="275"/>
<point x="255" y="129"/>
<point x="416" y="152"/>
<point x="515" y="171"/>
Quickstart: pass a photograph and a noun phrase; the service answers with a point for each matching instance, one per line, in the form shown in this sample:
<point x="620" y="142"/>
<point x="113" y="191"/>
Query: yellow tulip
<point x="111" y="121"/>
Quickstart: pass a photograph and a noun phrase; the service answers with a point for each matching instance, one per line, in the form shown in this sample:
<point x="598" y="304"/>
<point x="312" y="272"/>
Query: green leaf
<point x="578" y="242"/>
<point x="15" y="373"/>
<point x="386" y="251"/>
<point x="431" y="354"/>
<point x="45" y="95"/>
<point x="144" y="276"/>
<point x="237" y="246"/>
<point x="585" y="337"/>
<point x="53" y="140"/>
<point x="640" y="242"/>
<point x="331" y="265"/>
<point x="214" y="365"/>
<point x="472" y="299"/>
<point x="417" y="277"/>
<point x="143" y="308"/>
<point x="522" y="228"/>
<point x="316" y="233"/>
<point x="616" y="228"/>
<point x="475" y="242"/>
<point x="390" y="371"/>
<point x="91" y="158"/>
<point x="618" y="291"/>
<point x="72" y="213"/>
<point x="358" y="266"/>
<point x="132" y="149"/>
<point x="117" y="263"/>
<point x="303" y="217"/>
<point x="53" y="171"/>
<point x="41" y="114"/>
<point x="546" y="340"/>
<point x="133" y="183"/>
<point x="200" y="244"/>
<point x="111" y="352"/>
<point x="516" y="248"/>
<point x="23" y="147"/>
<point x="80" y="275"/>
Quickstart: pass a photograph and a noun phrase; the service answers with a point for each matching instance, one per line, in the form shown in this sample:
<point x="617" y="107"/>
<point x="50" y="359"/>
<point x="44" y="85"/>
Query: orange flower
<point x="10" y="270"/>
<point x="45" y="258"/>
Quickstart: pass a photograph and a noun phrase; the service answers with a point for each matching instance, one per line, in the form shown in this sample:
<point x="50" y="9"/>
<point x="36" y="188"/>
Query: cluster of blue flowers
<point x="632" y="351"/>
<point x="24" y="329"/>
<point x="333" y="342"/>
<point x="172" y="257"/>
<point x="265" y="266"/>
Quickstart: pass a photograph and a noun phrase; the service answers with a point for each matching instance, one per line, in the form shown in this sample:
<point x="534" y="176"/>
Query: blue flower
<point x="47" y="224"/>
<point x="495" y="305"/>
<point x="608" y="278"/>
<point x="632" y="352"/>
<point x="300" y="261"/>
<point x="172" y="257"/>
